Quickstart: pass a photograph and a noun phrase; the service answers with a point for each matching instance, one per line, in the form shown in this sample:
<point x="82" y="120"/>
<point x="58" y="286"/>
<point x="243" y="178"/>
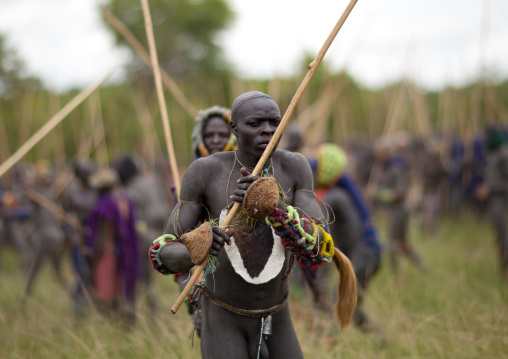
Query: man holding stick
<point x="244" y="302"/>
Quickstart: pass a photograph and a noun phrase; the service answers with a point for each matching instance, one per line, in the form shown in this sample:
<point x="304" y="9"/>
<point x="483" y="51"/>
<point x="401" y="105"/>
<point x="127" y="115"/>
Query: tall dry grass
<point x="456" y="308"/>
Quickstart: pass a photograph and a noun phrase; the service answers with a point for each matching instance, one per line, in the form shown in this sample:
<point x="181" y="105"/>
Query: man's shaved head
<point x="243" y="98"/>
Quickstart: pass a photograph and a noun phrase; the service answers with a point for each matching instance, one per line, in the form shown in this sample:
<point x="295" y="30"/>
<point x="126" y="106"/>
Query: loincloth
<point x="256" y="313"/>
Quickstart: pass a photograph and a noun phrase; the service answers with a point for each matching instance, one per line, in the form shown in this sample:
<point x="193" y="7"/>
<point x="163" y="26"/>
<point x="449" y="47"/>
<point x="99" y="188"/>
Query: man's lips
<point x="264" y="144"/>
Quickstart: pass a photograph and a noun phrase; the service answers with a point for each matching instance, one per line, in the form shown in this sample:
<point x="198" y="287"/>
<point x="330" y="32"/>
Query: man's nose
<point x="267" y="128"/>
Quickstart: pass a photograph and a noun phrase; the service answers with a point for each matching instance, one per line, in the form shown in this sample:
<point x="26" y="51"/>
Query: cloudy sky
<point x="434" y="42"/>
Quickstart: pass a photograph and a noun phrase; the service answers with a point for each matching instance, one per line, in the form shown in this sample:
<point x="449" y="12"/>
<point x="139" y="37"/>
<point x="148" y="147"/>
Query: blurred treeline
<point x="125" y="117"/>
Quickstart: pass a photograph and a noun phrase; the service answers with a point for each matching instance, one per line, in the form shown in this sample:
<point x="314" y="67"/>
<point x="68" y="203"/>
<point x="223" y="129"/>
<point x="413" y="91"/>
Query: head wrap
<point x="198" y="145"/>
<point x="496" y="137"/>
<point x="104" y="178"/>
<point x="243" y="98"/>
<point x="331" y="161"/>
<point x="126" y="168"/>
<point x="43" y="170"/>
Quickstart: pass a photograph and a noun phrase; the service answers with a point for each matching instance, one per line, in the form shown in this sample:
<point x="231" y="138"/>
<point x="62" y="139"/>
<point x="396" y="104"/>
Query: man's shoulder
<point x="210" y="162"/>
<point x="291" y="158"/>
<point x="211" y="167"/>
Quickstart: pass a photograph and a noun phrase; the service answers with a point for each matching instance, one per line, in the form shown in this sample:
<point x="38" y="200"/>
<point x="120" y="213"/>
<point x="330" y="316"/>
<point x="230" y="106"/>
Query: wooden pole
<point x="53" y="208"/>
<point x="99" y="133"/>
<point x="160" y="96"/>
<point x="313" y="66"/>
<point x="5" y="151"/>
<point x="145" y="57"/>
<point x="55" y="120"/>
<point x="27" y="105"/>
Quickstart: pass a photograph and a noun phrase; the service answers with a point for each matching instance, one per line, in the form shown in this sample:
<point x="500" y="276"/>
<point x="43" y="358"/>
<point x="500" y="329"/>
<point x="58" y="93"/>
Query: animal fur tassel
<point x="346" y="298"/>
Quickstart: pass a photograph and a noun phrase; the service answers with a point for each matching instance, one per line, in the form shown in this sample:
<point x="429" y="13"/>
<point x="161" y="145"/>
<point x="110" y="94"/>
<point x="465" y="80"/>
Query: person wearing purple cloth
<point x="113" y="246"/>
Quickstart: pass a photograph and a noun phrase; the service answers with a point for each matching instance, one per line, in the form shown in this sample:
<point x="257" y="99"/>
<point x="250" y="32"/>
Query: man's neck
<point x="246" y="160"/>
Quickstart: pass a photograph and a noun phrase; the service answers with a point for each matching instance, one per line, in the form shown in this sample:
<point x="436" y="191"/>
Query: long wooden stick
<point x="160" y="96"/>
<point x="53" y="208"/>
<point x="5" y="151"/>
<point x="55" y="120"/>
<point x="145" y="57"/>
<point x="268" y="150"/>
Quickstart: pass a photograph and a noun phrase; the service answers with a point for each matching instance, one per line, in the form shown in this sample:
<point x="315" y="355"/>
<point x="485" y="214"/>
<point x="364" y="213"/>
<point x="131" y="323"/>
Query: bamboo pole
<point x="58" y="135"/>
<point x="5" y="151"/>
<point x="395" y="111"/>
<point x="99" y="137"/>
<point x="321" y="116"/>
<point x="62" y="186"/>
<point x="26" y="115"/>
<point x="145" y="57"/>
<point x="55" y="120"/>
<point x="160" y="96"/>
<point x="313" y="66"/>
<point x="149" y="136"/>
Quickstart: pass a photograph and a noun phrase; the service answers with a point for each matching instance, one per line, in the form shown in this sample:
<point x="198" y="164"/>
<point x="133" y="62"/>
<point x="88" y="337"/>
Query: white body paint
<point x="272" y="267"/>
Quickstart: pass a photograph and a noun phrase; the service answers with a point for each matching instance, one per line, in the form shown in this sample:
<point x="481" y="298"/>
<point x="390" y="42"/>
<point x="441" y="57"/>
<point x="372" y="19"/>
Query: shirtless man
<point x="251" y="278"/>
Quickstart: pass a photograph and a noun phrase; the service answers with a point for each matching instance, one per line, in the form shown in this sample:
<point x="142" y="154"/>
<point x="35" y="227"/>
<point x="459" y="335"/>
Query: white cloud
<point x="436" y="42"/>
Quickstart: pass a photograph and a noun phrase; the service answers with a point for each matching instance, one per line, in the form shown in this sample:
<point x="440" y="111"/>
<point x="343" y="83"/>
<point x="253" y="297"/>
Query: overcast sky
<point x="434" y="42"/>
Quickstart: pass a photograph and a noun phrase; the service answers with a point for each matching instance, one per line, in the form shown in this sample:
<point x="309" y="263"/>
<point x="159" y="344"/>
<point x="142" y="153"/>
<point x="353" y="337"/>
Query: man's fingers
<point x="243" y="186"/>
<point x="230" y="231"/>
<point x="244" y="171"/>
<point x="248" y="179"/>
<point x="236" y="198"/>
<point x="221" y="236"/>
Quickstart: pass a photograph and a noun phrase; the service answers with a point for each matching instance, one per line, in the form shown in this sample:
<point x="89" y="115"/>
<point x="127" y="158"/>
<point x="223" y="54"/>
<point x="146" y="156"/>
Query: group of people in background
<point x="118" y="211"/>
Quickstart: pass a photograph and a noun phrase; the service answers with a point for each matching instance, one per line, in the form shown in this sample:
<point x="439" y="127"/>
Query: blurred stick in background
<point x="55" y="120"/>
<point x="160" y="96"/>
<point x="138" y="47"/>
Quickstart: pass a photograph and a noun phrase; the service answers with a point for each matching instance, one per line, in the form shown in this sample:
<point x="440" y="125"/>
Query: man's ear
<point x="234" y="129"/>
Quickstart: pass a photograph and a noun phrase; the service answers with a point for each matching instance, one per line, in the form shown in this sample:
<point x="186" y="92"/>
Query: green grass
<point x="456" y="308"/>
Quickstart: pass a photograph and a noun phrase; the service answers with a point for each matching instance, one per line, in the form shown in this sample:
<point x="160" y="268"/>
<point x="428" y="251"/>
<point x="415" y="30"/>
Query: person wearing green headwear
<point x="351" y="225"/>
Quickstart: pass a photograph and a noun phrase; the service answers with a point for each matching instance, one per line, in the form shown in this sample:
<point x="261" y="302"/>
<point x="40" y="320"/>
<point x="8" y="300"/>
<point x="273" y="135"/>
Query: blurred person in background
<point x="145" y="188"/>
<point x="390" y="192"/>
<point x="114" y="247"/>
<point x="15" y="213"/>
<point x="433" y="174"/>
<point x="211" y="133"/>
<point x="47" y="238"/>
<point x="351" y="225"/>
<point x="495" y="189"/>
<point x="79" y="199"/>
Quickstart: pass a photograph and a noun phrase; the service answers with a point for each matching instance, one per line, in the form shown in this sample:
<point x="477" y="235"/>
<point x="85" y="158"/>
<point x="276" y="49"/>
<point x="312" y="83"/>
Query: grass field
<point x="456" y="308"/>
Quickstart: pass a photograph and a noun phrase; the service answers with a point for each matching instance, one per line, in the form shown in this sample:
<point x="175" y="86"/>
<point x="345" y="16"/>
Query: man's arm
<point x="189" y="212"/>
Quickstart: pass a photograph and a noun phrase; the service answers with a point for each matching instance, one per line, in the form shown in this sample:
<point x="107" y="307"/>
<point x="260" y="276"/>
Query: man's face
<point x="255" y="125"/>
<point x="215" y="134"/>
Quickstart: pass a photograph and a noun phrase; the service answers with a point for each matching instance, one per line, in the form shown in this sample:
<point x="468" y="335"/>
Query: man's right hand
<point x="243" y="184"/>
<point x="219" y="238"/>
